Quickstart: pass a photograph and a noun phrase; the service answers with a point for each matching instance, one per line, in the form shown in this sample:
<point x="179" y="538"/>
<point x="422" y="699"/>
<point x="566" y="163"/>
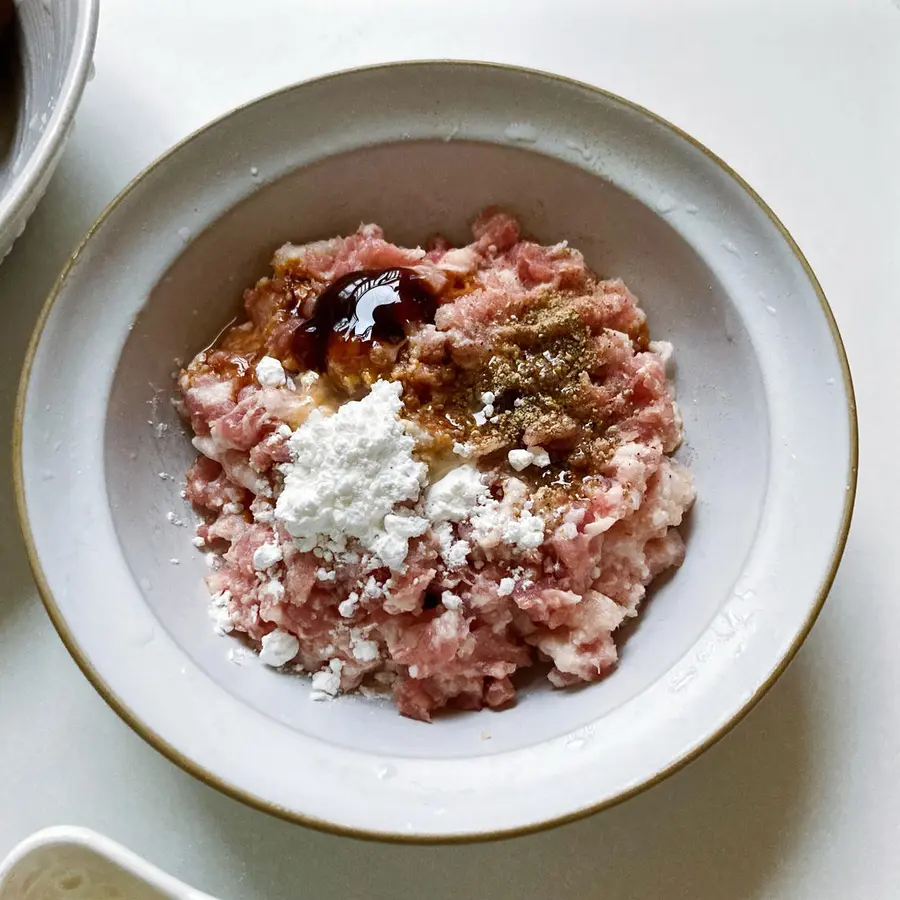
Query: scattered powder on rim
<point x="348" y="472"/>
<point x="218" y="612"/>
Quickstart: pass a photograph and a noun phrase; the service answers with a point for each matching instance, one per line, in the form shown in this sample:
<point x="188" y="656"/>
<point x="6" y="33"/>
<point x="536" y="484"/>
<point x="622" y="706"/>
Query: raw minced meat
<point x="480" y="484"/>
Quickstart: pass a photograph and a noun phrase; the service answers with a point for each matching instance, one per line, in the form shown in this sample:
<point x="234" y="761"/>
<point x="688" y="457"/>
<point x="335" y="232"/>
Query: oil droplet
<point x="680" y="681"/>
<point x="829" y="381"/>
<point x="691" y="208"/>
<point x="185" y="234"/>
<point x="523" y="132"/>
<point x="665" y="203"/>
<point x="92" y="72"/>
<point x="254" y="171"/>
<point x="771" y="310"/>
<point x="385" y="771"/>
<point x="144" y="636"/>
<point x="582" y="149"/>
<point x="731" y="247"/>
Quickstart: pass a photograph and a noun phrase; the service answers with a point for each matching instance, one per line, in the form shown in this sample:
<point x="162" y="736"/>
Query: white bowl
<point x="763" y="382"/>
<point x="68" y="863"/>
<point x="54" y="43"/>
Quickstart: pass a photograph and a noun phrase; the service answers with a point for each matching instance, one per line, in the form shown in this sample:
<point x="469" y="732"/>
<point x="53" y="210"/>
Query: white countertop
<point x="802" y="800"/>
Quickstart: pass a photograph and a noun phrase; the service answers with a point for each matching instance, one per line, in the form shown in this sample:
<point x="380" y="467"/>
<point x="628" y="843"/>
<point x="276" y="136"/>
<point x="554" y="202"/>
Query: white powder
<point x="373" y="590"/>
<point x="270" y="372"/>
<point x="218" y="612"/>
<point x="266" y="555"/>
<point x="391" y="547"/>
<point x="274" y="590"/>
<point x="363" y="650"/>
<point x="278" y="648"/>
<point x="348" y="607"/>
<point x="326" y="683"/>
<point x="453" y="552"/>
<point x="451" y="600"/>
<point x="348" y="472"/>
<point x="540" y="457"/>
<point x="262" y="510"/>
<point x="494" y="522"/>
<point x="664" y="350"/>
<point x="460" y="495"/>
<point x="453" y="497"/>
<point x="506" y="587"/>
<point x="520" y="459"/>
<point x="457" y="554"/>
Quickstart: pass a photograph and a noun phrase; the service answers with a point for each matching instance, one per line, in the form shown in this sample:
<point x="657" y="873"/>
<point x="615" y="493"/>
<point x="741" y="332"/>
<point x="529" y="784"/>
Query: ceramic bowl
<point x="45" y="60"/>
<point x="67" y="863"/>
<point x="761" y="376"/>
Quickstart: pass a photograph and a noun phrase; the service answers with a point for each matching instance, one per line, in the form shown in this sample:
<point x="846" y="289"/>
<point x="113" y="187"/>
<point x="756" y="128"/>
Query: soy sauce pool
<point x="358" y="310"/>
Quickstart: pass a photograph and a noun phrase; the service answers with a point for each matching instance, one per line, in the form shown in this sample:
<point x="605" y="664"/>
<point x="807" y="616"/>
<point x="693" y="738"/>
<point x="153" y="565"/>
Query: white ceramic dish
<point x="54" y="43"/>
<point x="67" y="863"/>
<point x="763" y="382"/>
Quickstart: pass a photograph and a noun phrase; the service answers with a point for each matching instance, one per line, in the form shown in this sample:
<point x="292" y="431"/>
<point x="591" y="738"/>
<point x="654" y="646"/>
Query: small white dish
<point x="40" y="89"/>
<point x="763" y="382"/>
<point x="68" y="863"/>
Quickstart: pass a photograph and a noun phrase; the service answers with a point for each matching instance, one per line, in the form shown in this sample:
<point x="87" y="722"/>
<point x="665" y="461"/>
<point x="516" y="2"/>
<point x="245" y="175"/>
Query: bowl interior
<point x="421" y="148"/>
<point x="414" y="189"/>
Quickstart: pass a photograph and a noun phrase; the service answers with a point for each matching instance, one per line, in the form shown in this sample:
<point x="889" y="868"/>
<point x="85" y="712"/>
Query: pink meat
<point x="244" y="426"/>
<point x="206" y="398"/>
<point x="329" y="260"/>
<point x="437" y="636"/>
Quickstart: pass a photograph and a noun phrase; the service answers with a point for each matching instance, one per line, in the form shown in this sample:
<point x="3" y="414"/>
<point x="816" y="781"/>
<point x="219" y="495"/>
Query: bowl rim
<point x="23" y="186"/>
<point x="199" y="772"/>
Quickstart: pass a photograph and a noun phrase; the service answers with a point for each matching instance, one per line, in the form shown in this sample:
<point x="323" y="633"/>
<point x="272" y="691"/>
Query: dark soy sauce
<point x="359" y="309"/>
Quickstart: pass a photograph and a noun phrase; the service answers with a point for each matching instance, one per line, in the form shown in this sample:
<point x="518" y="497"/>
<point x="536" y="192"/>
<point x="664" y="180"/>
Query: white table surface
<point x="802" y="97"/>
